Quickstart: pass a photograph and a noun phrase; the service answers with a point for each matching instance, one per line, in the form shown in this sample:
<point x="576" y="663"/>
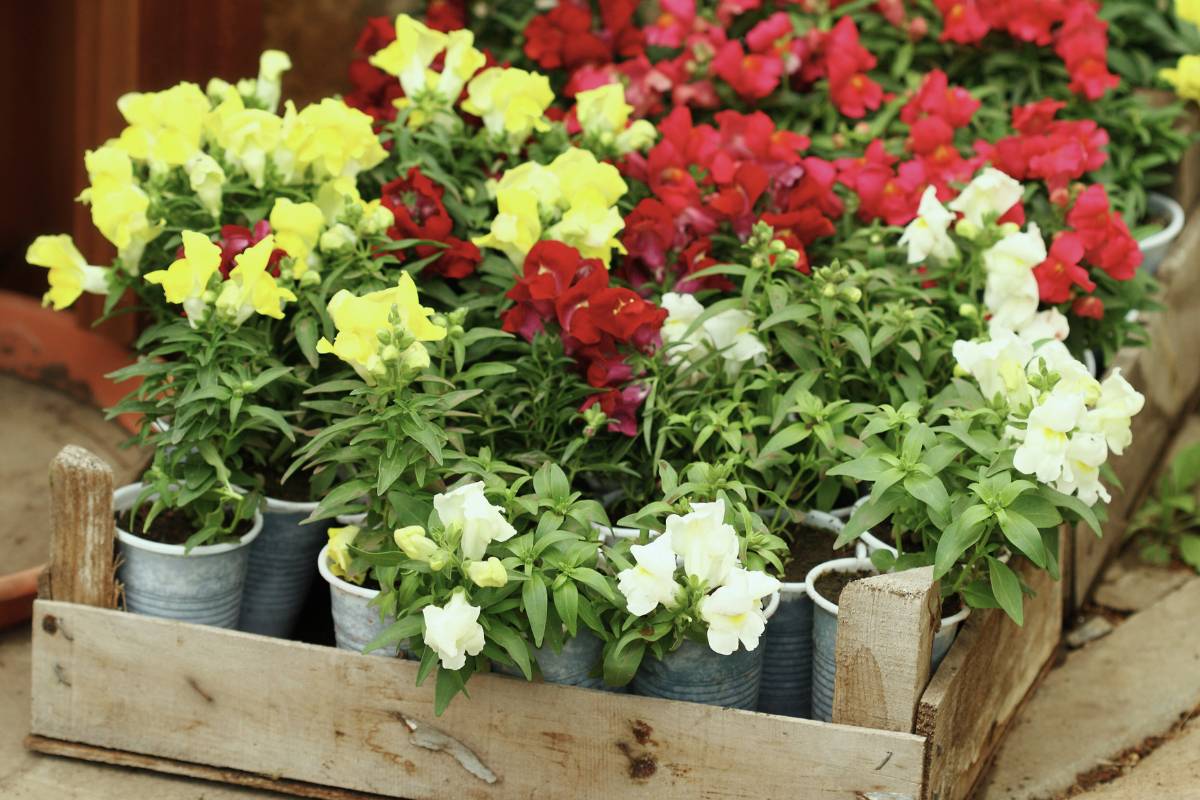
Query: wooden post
<point x="885" y="637"/>
<point x="82" y="529"/>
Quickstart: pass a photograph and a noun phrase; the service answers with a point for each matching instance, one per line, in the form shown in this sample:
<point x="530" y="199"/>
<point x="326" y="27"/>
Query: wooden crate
<point x="1167" y="372"/>
<point x="314" y="721"/>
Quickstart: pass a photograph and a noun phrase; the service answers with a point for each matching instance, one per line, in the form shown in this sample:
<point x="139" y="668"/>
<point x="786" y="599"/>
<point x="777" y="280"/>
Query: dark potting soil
<point x="296" y="490"/>
<point x="830" y="584"/>
<point x="810" y="547"/>
<point x="171" y="526"/>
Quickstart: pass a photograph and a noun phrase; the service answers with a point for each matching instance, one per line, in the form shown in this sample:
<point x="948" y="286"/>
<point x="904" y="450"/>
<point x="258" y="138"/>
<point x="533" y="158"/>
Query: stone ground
<point x="1117" y="720"/>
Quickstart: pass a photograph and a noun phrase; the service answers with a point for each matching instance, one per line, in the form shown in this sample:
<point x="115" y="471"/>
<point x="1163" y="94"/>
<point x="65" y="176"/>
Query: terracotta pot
<point x="51" y="348"/>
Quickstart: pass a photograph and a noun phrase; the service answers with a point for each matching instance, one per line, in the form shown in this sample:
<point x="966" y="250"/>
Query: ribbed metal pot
<point x="356" y="622"/>
<point x="788" y="642"/>
<point x="203" y="585"/>
<point x="282" y="568"/>
<point x="571" y="666"/>
<point x="696" y="674"/>
<point x="824" y="634"/>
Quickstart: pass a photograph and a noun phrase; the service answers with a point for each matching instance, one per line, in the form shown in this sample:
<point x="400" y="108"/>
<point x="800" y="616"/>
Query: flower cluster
<point x="704" y="180"/>
<point x="600" y="324"/>
<point x="419" y="213"/>
<point x="701" y="549"/>
<point x="1072" y="27"/>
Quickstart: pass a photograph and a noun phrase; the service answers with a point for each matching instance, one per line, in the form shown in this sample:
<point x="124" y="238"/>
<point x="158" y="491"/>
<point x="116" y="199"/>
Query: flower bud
<point x="415" y="544"/>
<point x="967" y="229"/>
<point x="488" y="573"/>
<point x="829" y="291"/>
<point x="439" y="560"/>
<point x="968" y="310"/>
<point x="310" y="278"/>
<point x="852" y="293"/>
<point x="337" y="238"/>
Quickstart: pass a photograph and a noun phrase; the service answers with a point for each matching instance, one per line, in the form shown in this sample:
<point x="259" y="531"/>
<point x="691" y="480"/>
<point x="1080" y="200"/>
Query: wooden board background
<point x="319" y="715"/>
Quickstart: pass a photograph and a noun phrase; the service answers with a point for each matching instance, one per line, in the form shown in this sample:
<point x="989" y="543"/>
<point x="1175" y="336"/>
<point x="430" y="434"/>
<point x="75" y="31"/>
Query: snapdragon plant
<point x="492" y="576"/>
<point x="216" y="383"/>
<point x="698" y="572"/>
<point x="1167" y="525"/>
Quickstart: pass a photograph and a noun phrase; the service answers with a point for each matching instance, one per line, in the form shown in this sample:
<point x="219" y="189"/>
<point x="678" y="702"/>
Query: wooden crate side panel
<point x="981" y="684"/>
<point x="328" y="717"/>
<point x="1167" y="372"/>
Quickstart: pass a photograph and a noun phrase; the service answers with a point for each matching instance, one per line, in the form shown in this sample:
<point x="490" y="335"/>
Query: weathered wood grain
<point x="885" y="634"/>
<point x="82" y="529"/>
<point x="333" y="718"/>
<point x="981" y="684"/>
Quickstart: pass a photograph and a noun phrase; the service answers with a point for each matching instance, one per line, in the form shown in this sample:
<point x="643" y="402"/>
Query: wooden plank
<point x="885" y="635"/>
<point x="82" y="529"/>
<point x="981" y="684"/>
<point x="119" y="758"/>
<point x="334" y="718"/>
<point x="1168" y="374"/>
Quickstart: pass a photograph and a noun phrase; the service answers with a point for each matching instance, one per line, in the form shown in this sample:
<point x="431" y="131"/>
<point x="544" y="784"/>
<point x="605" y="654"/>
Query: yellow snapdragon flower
<point x="269" y="85"/>
<point x="108" y="167"/>
<point x="511" y="102"/>
<point x="602" y="110"/>
<point x="330" y="138"/>
<point x="70" y="274"/>
<point x="462" y="61"/>
<point x="165" y="127"/>
<point x="590" y="226"/>
<point x="251" y="288"/>
<point x="186" y="281"/>
<point x="578" y="170"/>
<point x="207" y="180"/>
<point x="1188" y="10"/>
<point x="409" y="56"/>
<point x="118" y="203"/>
<point x="517" y="225"/>
<point x="297" y="228"/>
<point x="337" y="553"/>
<point x="1184" y="77"/>
<point x="360" y="321"/>
<point x="247" y="135"/>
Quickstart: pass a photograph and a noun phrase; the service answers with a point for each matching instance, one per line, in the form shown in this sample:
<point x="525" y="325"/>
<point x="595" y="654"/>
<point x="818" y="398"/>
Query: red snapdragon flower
<point x="962" y="21"/>
<point x="620" y="406"/>
<point x="1088" y="306"/>
<point x="937" y="98"/>
<point x="1061" y="271"/>
<point x="1082" y="44"/>
<point x="752" y="75"/>
<point x="846" y="65"/>
<point x="563" y="37"/>
<point x="446" y="15"/>
<point x="1106" y="238"/>
<point x="236" y="238"/>
<point x="676" y="20"/>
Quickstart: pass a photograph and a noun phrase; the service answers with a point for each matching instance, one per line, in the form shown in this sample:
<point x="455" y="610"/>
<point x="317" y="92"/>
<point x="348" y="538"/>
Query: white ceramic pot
<point x="356" y="622"/>
<point x="203" y="585"/>
<point x="1156" y="246"/>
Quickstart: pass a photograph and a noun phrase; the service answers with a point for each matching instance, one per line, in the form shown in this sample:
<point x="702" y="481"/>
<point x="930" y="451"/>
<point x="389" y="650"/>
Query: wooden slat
<point x="333" y="718"/>
<point x="981" y="684"/>
<point x="119" y="758"/>
<point x="885" y="635"/>
<point x="1167" y="372"/>
<point x="82" y="529"/>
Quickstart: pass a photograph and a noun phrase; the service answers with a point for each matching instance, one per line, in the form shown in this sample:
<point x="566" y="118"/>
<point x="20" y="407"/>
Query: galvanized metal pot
<point x="571" y="666"/>
<point x="202" y="585"/>
<point x="356" y="622"/>
<point x="281" y="568"/>
<point x="697" y="674"/>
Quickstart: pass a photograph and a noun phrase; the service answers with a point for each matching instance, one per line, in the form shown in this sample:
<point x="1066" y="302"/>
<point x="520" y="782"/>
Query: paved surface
<point x="1172" y="772"/>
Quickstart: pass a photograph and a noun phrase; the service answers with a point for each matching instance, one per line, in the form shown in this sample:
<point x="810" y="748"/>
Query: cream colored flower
<point x="453" y="631"/>
<point x="479" y="522"/>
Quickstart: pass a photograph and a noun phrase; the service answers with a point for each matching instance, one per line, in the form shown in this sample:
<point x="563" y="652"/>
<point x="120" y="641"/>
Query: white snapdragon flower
<point x="480" y="522"/>
<point x="708" y="545"/>
<point x="990" y="194"/>
<point x="734" y="612"/>
<point x="998" y="364"/>
<point x="453" y="631"/>
<point x="1114" y="411"/>
<point x="1073" y="375"/>
<point x="651" y="581"/>
<point x="1043" y="452"/>
<point x="1011" y="291"/>
<point x="732" y="332"/>
<point x="1086" y="453"/>
<point x="1048" y="325"/>
<point x="927" y="236"/>
<point x="207" y="180"/>
<point x="682" y="311"/>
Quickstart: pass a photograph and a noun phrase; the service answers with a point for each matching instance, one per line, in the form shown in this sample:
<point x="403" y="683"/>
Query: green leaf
<point x="858" y="342"/>
<point x="1006" y="587"/>
<point x="867" y="468"/>
<point x="1023" y="534"/>
<point x="622" y="659"/>
<point x="868" y="515"/>
<point x="962" y="533"/>
<point x="449" y="684"/>
<point x="1037" y="509"/>
<point x="566" y="603"/>
<point x="274" y="418"/>
<point x="1189" y="550"/>
<point x="930" y="491"/>
<point x="534" y="602"/>
<point x="514" y="645"/>
<point x="306" y="337"/>
<point x="396" y="633"/>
